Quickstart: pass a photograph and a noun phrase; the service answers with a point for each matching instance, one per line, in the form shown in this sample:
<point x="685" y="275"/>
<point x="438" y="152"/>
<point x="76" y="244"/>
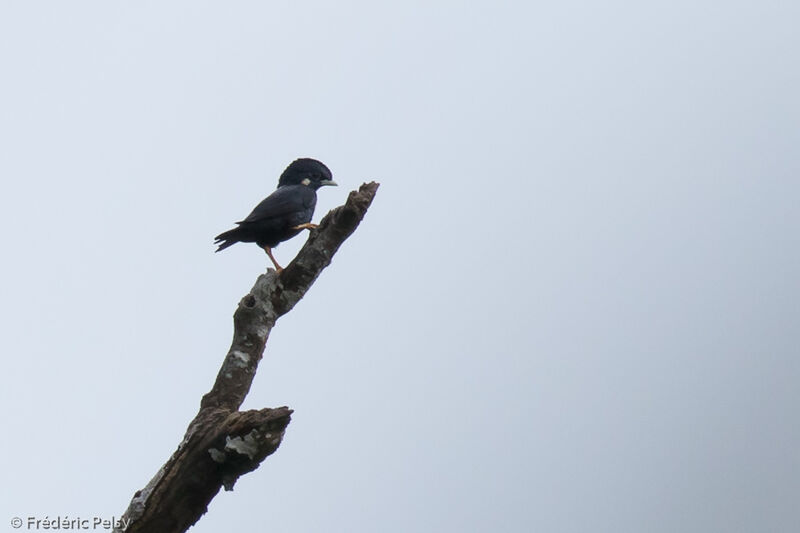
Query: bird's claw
<point x="278" y="268"/>
<point x="307" y="225"/>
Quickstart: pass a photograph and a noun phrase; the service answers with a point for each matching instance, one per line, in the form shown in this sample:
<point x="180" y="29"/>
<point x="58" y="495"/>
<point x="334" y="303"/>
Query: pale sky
<point x="572" y="307"/>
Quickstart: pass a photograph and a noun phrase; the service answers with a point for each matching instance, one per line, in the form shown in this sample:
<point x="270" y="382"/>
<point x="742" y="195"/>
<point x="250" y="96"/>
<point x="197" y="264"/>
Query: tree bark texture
<point x="221" y="442"/>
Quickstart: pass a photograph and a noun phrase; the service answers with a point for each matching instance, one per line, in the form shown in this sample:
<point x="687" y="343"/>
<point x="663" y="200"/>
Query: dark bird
<point x="284" y="213"/>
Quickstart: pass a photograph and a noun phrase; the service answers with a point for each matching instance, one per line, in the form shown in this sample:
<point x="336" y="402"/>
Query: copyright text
<point x="35" y="523"/>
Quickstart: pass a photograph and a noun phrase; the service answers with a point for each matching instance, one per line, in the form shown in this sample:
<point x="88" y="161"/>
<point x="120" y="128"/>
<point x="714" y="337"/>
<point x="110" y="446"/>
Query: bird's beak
<point x="328" y="182"/>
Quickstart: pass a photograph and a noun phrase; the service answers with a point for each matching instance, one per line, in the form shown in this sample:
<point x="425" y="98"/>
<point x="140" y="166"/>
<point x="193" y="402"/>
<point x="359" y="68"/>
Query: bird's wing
<point x="283" y="202"/>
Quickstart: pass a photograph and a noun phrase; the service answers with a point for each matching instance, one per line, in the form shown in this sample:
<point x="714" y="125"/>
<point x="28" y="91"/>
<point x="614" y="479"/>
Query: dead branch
<point x="221" y="442"/>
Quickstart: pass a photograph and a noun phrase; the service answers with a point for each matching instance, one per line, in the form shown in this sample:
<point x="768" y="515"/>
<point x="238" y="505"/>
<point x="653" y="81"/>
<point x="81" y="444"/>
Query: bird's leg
<point x="307" y="225"/>
<point x="278" y="268"/>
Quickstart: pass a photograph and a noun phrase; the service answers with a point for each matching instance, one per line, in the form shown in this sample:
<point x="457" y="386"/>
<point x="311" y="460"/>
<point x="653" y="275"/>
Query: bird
<point x="284" y="213"/>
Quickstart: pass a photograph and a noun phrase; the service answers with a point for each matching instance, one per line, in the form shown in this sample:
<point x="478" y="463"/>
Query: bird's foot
<point x="307" y="225"/>
<point x="278" y="268"/>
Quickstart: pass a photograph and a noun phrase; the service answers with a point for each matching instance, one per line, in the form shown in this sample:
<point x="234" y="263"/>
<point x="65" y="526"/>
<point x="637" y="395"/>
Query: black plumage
<point x="284" y="213"/>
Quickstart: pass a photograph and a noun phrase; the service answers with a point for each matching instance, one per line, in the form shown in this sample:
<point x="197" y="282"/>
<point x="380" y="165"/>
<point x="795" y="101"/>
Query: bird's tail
<point x="228" y="238"/>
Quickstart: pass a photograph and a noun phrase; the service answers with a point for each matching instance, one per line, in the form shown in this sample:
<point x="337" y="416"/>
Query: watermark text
<point x="70" y="523"/>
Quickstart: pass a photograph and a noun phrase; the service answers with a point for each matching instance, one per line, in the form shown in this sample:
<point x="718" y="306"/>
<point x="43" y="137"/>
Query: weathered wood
<point x="223" y="443"/>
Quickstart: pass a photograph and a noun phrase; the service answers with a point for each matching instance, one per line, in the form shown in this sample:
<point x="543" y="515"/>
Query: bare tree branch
<point x="222" y="443"/>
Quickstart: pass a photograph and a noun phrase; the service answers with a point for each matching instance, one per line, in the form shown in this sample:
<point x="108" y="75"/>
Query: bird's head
<point x="309" y="172"/>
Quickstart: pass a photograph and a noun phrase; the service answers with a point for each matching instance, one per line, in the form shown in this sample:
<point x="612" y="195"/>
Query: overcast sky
<point x="572" y="307"/>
